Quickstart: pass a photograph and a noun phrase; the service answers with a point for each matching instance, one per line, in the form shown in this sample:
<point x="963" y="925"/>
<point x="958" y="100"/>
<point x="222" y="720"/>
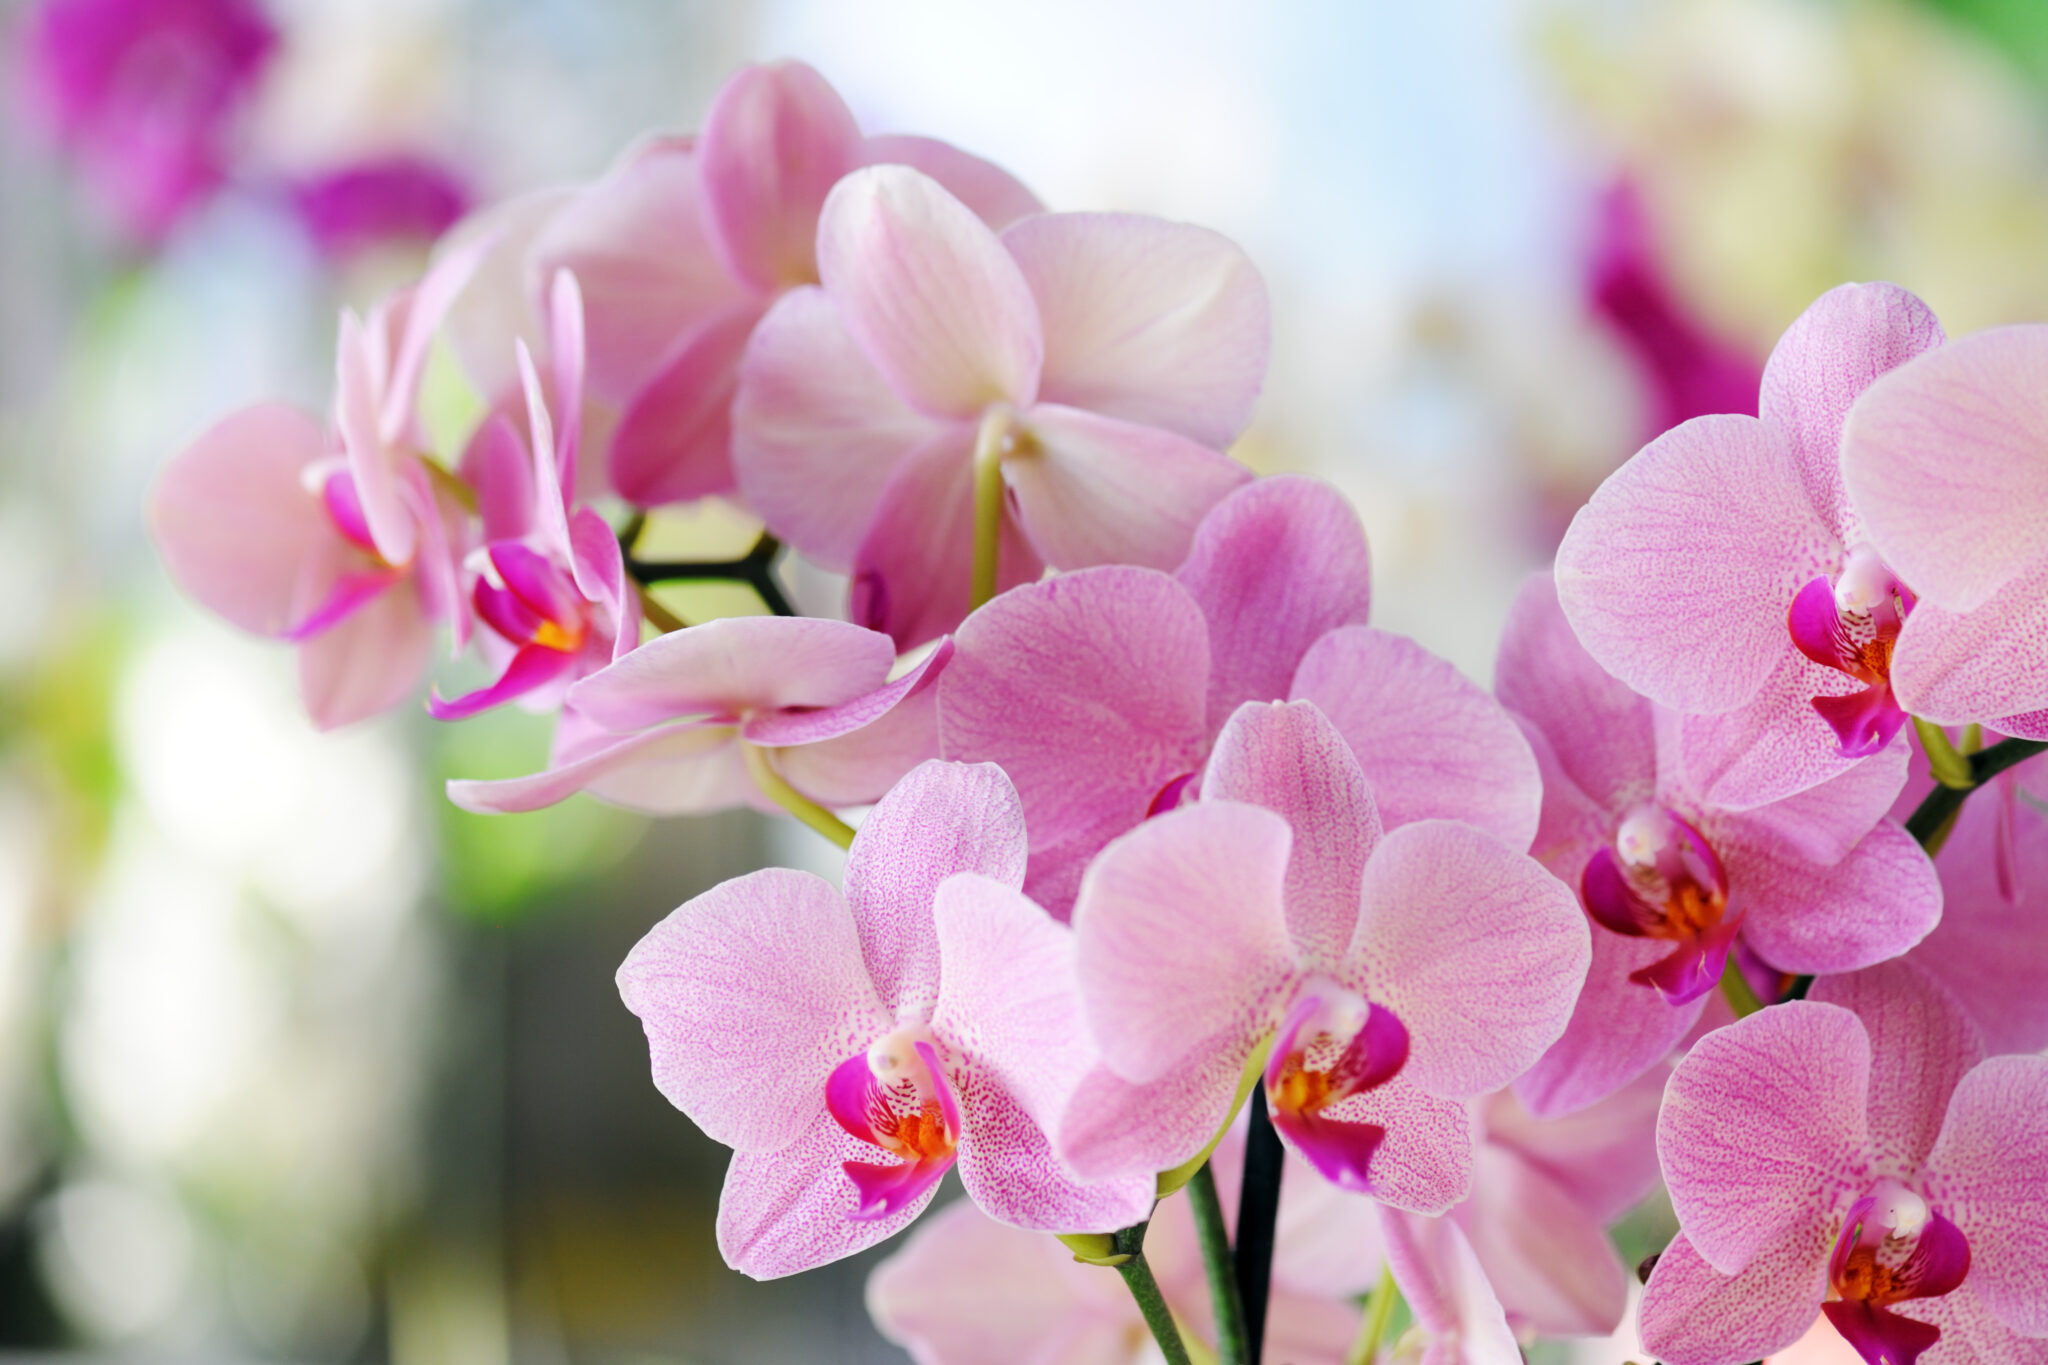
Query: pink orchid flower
<point x="1947" y="461"/>
<point x="551" y="585"/>
<point x="1819" y="881"/>
<point x="853" y="1049"/>
<point x="349" y="208"/>
<point x="1458" y="1318"/>
<point x="673" y="726"/>
<point x="686" y="244"/>
<point x="1102" y="359"/>
<point x="967" y="1290"/>
<point x="1723" y="571"/>
<point x="1395" y="975"/>
<point x="1853" y="1154"/>
<point x="1101" y="692"/>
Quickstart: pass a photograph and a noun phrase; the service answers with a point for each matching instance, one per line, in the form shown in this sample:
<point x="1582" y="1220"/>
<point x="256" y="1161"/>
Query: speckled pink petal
<point x="674" y="438"/>
<point x="1288" y="758"/>
<point x="775" y="141"/>
<point x="1820" y="824"/>
<point x="1432" y="744"/>
<point x="856" y="768"/>
<point x="996" y="197"/>
<point x="1180" y="932"/>
<point x="1476" y="948"/>
<point x="1009" y="1168"/>
<point x="1112" y="1127"/>
<point x="735" y="665"/>
<point x="1875" y="904"/>
<point x="1677" y="574"/>
<point x="792" y="1209"/>
<point x="816" y="431"/>
<point x="1988" y="663"/>
<point x="1921" y="1044"/>
<point x="368" y="663"/>
<point x="1990" y="1173"/>
<point x="1692" y="1314"/>
<point x="928" y="293"/>
<point x="1763" y="1131"/>
<point x="1548" y="1257"/>
<point x="801" y="726"/>
<point x="1834" y="350"/>
<point x="1971" y="1334"/>
<point x="1099" y="490"/>
<point x="1153" y="322"/>
<point x="1275" y="566"/>
<point x="1947" y="460"/>
<point x="1989" y="948"/>
<point x="1089" y="690"/>
<point x="1771" y="747"/>
<point x="1618" y="1030"/>
<point x="1424" y="1160"/>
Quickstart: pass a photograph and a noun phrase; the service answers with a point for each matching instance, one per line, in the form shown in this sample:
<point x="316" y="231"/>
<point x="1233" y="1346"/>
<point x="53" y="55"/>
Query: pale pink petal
<point x="495" y="463"/>
<point x="676" y="768"/>
<point x="1820" y="824"/>
<point x="1875" y="904"/>
<point x="735" y="665"/>
<point x="997" y="197"/>
<point x="1009" y="1168"/>
<point x="856" y="768"/>
<point x="1990" y="1175"/>
<point x="1573" y="826"/>
<point x="1089" y="690"/>
<point x="791" y="1210"/>
<point x="566" y="364"/>
<point x="1291" y="760"/>
<point x="530" y="668"/>
<point x="1692" y="1314"/>
<point x="1476" y="948"/>
<point x="1180" y="932"/>
<point x="1447" y="1288"/>
<point x="1094" y="490"/>
<point x="499" y="303"/>
<point x="815" y="430"/>
<point x="599" y="566"/>
<point x="1947" y="459"/>
<point x="1678" y="573"/>
<point x="1433" y="745"/>
<point x="371" y="460"/>
<point x="426" y="308"/>
<point x="802" y="727"/>
<point x="1604" y="1156"/>
<point x="674" y="439"/>
<point x="944" y="818"/>
<point x="1619" y="1029"/>
<point x="1763" y="1131"/>
<point x="928" y="293"/>
<point x="369" y="663"/>
<point x="1774" y="745"/>
<point x="237" y="527"/>
<point x="1988" y="663"/>
<point x="1844" y="340"/>
<point x="1159" y="323"/>
<point x="1921" y="1043"/>
<point x="1113" y="1127"/>
<point x="1424" y="1161"/>
<point x="1599" y="731"/>
<point x="1971" y="1334"/>
<point x="777" y="138"/>
<point x="751" y="994"/>
<point x="913" y="574"/>
<point x="1547" y="1257"/>
<point x="1275" y="566"/>
<point x="1990" y="949"/>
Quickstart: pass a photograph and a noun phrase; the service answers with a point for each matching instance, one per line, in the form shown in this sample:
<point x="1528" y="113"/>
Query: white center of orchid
<point x="1864" y="582"/>
<point x="1904" y="1213"/>
<point x="1644" y="835"/>
<point x="893" y="1059"/>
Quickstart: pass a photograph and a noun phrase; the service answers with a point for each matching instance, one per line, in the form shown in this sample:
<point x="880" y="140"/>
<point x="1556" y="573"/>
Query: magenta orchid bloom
<point x="852" y="1049"/>
<point x="1394" y="975"/>
<point x="361" y="204"/>
<point x="1947" y="461"/>
<point x="551" y="585"/>
<point x="1458" y="1318"/>
<point x="686" y="244"/>
<point x="1103" y="359"/>
<point x="1820" y="881"/>
<point x="1724" y="572"/>
<point x="144" y="94"/>
<point x="1853" y="1154"/>
<point x="667" y="727"/>
<point x="1101" y="692"/>
<point x="967" y="1290"/>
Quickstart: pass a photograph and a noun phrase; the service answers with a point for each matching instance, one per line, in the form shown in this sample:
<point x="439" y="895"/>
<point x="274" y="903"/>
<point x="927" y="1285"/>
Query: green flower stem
<point x="658" y="616"/>
<point x="1216" y="1263"/>
<point x="1735" y="986"/>
<point x="777" y="789"/>
<point x="1379" y="1312"/>
<point x="990" y="445"/>
<point x="1936" y="815"/>
<point x="1145" y="1291"/>
<point x="1258" y="1209"/>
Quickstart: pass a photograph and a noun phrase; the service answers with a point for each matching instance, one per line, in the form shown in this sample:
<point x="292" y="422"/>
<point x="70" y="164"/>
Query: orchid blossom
<point x="1458" y="1318"/>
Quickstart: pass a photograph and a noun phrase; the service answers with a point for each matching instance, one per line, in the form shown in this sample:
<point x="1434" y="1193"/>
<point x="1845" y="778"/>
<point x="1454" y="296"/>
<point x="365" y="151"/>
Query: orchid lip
<point x="1893" y="1247"/>
<point x="897" y="1097"/>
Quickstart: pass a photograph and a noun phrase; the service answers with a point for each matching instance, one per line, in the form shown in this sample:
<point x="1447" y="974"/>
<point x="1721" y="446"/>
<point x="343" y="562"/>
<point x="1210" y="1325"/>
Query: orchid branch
<point x="1379" y="1313"/>
<point x="1137" y="1273"/>
<point x="1224" y="1297"/>
<point x="755" y="568"/>
<point x="1931" y="821"/>
<point x="776" y="788"/>
<point x="1258" y="1210"/>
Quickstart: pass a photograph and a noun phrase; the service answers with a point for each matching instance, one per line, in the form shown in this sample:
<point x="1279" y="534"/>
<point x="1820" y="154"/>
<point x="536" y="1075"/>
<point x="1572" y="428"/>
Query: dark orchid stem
<point x="755" y="568"/>
<point x="1216" y="1262"/>
<point x="1144" y="1289"/>
<point x="1258" y="1208"/>
<point x="1931" y="821"/>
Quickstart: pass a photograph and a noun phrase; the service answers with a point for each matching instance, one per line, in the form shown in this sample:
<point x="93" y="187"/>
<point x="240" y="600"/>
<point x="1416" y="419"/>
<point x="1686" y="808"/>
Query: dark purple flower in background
<point x="380" y="199"/>
<point x="142" y="95"/>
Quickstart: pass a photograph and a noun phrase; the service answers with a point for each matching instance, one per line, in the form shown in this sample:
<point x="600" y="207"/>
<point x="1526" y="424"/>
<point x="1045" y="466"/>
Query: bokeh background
<point x="298" y="1063"/>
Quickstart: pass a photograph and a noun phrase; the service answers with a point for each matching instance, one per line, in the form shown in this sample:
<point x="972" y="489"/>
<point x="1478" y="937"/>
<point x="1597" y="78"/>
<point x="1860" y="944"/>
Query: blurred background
<point x="298" y="1063"/>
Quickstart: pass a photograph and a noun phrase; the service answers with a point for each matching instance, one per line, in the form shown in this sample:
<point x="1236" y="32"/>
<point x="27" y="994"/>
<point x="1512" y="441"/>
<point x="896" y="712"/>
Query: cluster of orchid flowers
<point x="1179" y="875"/>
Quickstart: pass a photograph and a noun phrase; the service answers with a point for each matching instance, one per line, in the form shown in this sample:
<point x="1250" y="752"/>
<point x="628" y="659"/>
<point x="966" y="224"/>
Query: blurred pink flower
<point x="1458" y="1317"/>
<point x="143" y="95"/>
<point x="1397" y="975"/>
<point x="1724" y="572"/>
<point x="1852" y="1154"/>
<point x="852" y="1049"/>
<point x="1816" y="882"/>
<point x="384" y="199"/>
<point x="1947" y="460"/>
<point x="1106" y="359"/>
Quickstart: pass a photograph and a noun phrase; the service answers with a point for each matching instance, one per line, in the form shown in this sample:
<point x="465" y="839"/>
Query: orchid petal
<point x="673" y="769"/>
<point x="1619" y="1029"/>
<point x="1692" y="1314"/>
<point x="1921" y="1044"/>
<point x="530" y="668"/>
<point x="1113" y="1127"/>
<point x="777" y="138"/>
<point x="1009" y="1168"/>
<point x="367" y="663"/>
<point x="1876" y="903"/>
<point x="1424" y="1159"/>
<point x="735" y="665"/>
<point x="794" y="1209"/>
<point x="802" y="727"/>
<point x="1991" y="1165"/>
<point x="495" y="463"/>
<point x="1547" y="1257"/>
<point x="1775" y="745"/>
<point x="674" y="439"/>
<point x="371" y="461"/>
<point x="856" y="768"/>
<point x="1989" y="949"/>
<point x="996" y="197"/>
<point x="1954" y="668"/>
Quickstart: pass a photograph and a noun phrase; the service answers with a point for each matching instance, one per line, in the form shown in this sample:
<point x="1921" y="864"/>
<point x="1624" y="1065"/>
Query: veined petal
<point x="928" y="293"/>
<point x="1158" y="323"/>
<point x="736" y="665"/>
<point x="1009" y="1168"/>
<point x="674" y="440"/>
<point x="1094" y="490"/>
<point x="1424" y="1158"/>
<point x="1947" y="460"/>
<point x="858" y="767"/>
<point x="1876" y="903"/>
<point x="1619" y="1029"/>
<point x="1921" y="1044"/>
<point x="1955" y="667"/>
<point x="1989" y="1170"/>
<point x="776" y="139"/>
<point x="1819" y="825"/>
<point x="996" y="197"/>
<point x="1989" y="949"/>
<point x="1692" y="1314"/>
<point x="803" y="727"/>
<point x="793" y="1209"/>
<point x="1971" y="1334"/>
<point x="1773" y="746"/>
<point x="1678" y="573"/>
